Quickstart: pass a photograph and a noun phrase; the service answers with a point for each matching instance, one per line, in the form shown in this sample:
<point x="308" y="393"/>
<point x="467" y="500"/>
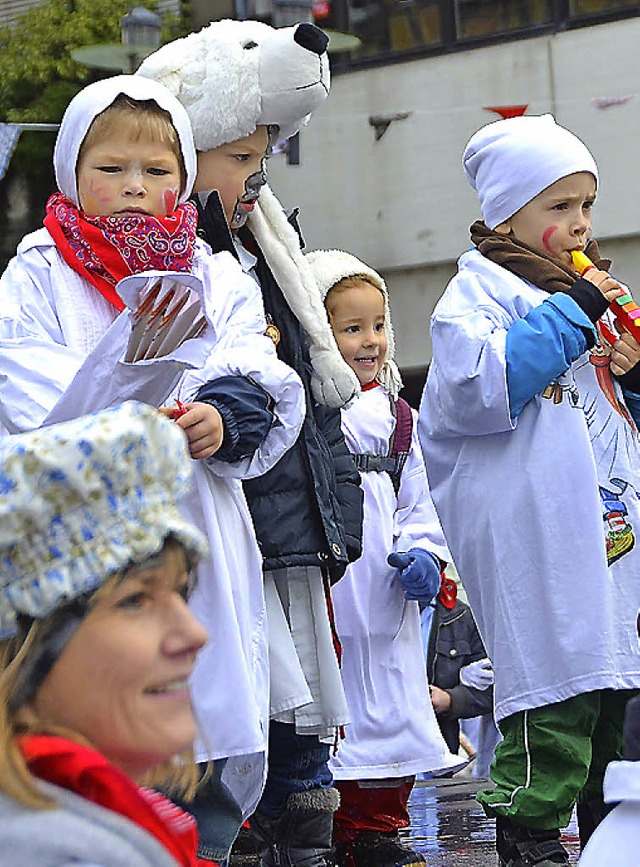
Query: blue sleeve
<point x="632" y="401"/>
<point x="245" y="408"/>
<point x="542" y="345"/>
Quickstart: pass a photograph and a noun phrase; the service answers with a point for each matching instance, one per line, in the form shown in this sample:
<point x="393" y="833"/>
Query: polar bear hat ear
<point x="233" y="76"/>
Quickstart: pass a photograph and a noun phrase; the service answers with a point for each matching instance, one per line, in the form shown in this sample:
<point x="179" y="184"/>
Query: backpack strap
<point x="401" y="442"/>
<point x="399" y="446"/>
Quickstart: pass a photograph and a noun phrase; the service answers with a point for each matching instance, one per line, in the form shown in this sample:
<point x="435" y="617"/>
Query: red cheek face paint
<point x="546" y="235"/>
<point x="170" y="198"/>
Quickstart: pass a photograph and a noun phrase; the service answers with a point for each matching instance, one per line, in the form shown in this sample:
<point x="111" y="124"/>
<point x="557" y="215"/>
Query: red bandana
<point x="103" y="250"/>
<point x="87" y="773"/>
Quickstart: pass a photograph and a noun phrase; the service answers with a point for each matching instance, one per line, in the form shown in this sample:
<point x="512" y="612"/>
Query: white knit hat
<point x="331" y="266"/>
<point x="94" y="99"/>
<point x="233" y="76"/>
<point x="82" y="500"/>
<point x="508" y="162"/>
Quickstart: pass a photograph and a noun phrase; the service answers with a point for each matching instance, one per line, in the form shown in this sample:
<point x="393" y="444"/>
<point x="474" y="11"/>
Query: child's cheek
<point x="96" y="198"/>
<point x="170" y="198"/>
<point x="546" y="238"/>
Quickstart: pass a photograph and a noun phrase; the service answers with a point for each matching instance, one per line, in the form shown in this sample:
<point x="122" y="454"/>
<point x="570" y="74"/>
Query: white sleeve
<point x="244" y="350"/>
<point x="416" y="524"/>
<point x="42" y="380"/>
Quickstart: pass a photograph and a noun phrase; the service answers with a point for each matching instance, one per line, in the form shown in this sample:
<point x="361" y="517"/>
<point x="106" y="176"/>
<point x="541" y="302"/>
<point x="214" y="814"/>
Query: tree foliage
<point x="35" y="54"/>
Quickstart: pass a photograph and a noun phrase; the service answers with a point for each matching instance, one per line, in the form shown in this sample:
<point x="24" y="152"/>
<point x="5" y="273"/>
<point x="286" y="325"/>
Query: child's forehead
<point x="577" y="182"/>
<point x="354" y="293"/>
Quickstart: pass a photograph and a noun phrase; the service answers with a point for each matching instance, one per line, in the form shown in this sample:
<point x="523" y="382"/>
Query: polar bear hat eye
<point x="233" y="76"/>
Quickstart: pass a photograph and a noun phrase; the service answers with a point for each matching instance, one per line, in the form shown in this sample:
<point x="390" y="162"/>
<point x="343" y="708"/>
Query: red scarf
<point x="448" y="592"/>
<point x="103" y="250"/>
<point x="87" y="773"/>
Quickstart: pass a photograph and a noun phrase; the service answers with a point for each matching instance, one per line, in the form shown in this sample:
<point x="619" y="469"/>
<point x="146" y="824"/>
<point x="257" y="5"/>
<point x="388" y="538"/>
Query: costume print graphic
<point x="589" y="386"/>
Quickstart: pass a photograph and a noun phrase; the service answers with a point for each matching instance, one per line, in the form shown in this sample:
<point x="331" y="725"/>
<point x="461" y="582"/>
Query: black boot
<point x="590" y="813"/>
<point x="519" y="846"/>
<point x="377" y="849"/>
<point x="301" y="837"/>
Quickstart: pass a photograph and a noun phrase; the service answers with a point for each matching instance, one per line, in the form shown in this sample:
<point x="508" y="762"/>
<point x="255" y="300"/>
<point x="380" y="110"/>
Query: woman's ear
<point x="503" y="228"/>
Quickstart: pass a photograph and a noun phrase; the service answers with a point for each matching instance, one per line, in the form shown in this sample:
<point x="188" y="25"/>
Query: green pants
<point x="553" y="756"/>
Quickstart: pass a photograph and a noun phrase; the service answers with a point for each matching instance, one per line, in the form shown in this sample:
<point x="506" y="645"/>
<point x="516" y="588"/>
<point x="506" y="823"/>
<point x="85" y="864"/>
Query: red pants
<point x="383" y="808"/>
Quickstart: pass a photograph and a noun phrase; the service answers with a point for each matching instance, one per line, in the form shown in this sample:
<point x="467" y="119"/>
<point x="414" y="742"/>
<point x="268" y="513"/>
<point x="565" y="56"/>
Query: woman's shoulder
<point x="75" y="831"/>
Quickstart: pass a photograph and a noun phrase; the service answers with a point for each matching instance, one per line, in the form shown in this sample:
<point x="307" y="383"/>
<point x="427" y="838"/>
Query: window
<point x="481" y="18"/>
<point x="596" y="7"/>
<point x="390" y="26"/>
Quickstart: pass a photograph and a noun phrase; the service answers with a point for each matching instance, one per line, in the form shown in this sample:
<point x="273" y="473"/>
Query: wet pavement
<point x="451" y="830"/>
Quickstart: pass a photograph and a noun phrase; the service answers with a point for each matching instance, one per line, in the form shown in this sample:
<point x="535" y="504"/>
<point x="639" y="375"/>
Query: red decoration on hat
<point x="506" y="111"/>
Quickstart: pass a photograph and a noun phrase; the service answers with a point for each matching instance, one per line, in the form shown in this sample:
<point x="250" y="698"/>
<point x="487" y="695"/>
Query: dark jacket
<point x="454" y="641"/>
<point x="307" y="510"/>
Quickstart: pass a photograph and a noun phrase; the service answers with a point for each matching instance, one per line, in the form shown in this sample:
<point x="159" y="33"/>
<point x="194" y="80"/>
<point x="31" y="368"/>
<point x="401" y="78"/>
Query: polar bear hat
<point x="233" y="76"/>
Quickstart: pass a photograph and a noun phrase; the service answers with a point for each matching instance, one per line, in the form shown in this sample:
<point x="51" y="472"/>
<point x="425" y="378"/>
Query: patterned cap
<point x="82" y="500"/>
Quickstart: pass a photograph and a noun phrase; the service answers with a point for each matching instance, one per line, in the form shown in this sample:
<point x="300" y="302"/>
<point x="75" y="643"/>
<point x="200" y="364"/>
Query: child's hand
<point x="202" y="424"/>
<point x="418" y="573"/>
<point x="625" y="354"/>
<point x="440" y="699"/>
<point x="609" y="287"/>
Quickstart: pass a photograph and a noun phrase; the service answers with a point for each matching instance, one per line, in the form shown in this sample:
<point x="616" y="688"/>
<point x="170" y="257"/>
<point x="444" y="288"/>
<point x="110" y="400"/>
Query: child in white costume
<point x="62" y="345"/>
<point x="246" y="85"/>
<point x="529" y="429"/>
<point x="393" y="732"/>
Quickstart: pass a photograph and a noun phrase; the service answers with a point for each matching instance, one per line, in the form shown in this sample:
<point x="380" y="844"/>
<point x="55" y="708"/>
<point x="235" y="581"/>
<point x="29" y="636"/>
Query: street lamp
<point x="140" y="37"/>
<point x="140" y="31"/>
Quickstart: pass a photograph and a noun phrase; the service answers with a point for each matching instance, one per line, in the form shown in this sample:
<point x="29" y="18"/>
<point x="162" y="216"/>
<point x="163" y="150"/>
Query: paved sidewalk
<point x="451" y="830"/>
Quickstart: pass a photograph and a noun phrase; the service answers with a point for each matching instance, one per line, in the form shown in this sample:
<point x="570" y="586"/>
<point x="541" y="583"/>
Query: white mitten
<point x="477" y="674"/>
<point x="333" y="382"/>
<point x="167" y="309"/>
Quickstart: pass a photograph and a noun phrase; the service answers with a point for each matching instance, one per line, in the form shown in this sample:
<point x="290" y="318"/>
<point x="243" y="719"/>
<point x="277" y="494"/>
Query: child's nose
<point x="582" y="223"/>
<point x="134" y="185"/>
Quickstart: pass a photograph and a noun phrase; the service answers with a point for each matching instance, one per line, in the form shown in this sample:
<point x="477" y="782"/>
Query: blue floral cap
<point x="82" y="500"/>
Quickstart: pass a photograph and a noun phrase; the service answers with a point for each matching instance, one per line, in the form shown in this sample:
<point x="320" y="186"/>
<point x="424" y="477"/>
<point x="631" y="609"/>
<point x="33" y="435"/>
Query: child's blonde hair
<point x="354" y="281"/>
<point x="142" y="118"/>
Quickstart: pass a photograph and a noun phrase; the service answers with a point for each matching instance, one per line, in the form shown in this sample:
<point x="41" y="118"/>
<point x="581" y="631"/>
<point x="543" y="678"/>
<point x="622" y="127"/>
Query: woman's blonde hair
<point x="178" y="775"/>
<point x="142" y="118"/>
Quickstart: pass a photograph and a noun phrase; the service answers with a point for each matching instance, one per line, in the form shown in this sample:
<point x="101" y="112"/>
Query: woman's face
<point x="122" y="679"/>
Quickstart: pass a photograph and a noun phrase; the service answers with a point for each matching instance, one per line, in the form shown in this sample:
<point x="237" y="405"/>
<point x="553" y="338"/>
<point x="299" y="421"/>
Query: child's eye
<point x="561" y="206"/>
<point x="133" y="600"/>
<point x="154" y="170"/>
<point x="110" y="170"/>
<point x="379" y="326"/>
<point x="587" y="206"/>
<point x="351" y="329"/>
<point x="242" y="158"/>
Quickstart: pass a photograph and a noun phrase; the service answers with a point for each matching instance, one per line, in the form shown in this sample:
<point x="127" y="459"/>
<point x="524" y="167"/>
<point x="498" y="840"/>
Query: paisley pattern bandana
<point x="103" y="250"/>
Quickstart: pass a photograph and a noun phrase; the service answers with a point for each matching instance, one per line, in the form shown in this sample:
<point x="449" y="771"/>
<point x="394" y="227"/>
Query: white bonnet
<point x="508" y="162"/>
<point x="331" y="266"/>
<point x="94" y="99"/>
<point x="82" y="500"/>
<point x="233" y="76"/>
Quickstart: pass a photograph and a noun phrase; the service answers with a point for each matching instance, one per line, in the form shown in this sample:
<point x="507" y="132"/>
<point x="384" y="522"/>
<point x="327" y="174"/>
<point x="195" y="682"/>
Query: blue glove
<point x="418" y="572"/>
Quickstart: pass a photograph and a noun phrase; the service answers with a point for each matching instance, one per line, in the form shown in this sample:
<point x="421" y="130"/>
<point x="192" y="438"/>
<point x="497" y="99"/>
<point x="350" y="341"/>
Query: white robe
<point x="393" y="730"/>
<point x="616" y="840"/>
<point x="61" y="346"/>
<point x="522" y="502"/>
